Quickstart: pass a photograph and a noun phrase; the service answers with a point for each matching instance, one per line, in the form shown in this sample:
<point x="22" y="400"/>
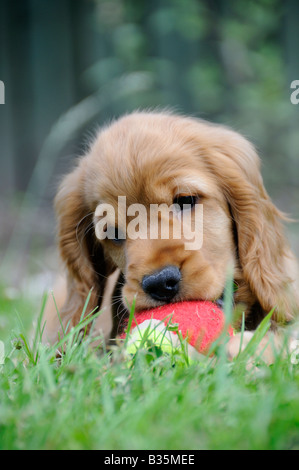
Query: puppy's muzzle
<point x="162" y="285"/>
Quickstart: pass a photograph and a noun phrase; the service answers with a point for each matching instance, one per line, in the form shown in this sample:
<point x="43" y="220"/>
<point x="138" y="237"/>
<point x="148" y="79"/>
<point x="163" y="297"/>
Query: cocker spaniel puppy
<point x="165" y="160"/>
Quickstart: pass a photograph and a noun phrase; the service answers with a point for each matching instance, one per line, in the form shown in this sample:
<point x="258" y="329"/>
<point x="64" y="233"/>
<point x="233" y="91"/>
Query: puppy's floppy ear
<point x="87" y="269"/>
<point x="263" y="251"/>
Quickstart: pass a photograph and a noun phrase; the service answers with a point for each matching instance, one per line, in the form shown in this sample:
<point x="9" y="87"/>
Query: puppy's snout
<point x="162" y="285"/>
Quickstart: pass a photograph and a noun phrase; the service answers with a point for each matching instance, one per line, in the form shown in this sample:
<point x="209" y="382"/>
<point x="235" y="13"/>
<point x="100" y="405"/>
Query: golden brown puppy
<point x="160" y="158"/>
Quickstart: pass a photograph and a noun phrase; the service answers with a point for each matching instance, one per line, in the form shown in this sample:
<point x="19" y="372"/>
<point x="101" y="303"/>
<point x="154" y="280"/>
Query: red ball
<point x="201" y="322"/>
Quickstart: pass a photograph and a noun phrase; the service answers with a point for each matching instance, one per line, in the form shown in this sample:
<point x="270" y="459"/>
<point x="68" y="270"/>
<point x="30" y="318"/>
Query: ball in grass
<point x="197" y="323"/>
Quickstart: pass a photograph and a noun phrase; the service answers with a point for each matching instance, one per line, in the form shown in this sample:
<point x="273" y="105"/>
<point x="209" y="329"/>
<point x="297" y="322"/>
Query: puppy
<point x="164" y="160"/>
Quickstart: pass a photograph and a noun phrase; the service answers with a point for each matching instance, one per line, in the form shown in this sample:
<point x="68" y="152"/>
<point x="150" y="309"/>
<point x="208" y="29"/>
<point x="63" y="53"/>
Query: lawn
<point x="101" y="400"/>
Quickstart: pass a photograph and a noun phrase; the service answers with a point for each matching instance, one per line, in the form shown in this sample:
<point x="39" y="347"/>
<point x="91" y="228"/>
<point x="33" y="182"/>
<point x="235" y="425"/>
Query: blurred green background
<point x="70" y="65"/>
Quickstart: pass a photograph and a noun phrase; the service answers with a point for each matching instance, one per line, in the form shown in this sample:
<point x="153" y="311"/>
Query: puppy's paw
<point x="237" y="344"/>
<point x="267" y="350"/>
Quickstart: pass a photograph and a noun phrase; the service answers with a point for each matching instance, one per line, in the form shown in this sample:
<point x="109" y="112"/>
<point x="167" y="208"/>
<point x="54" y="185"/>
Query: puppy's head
<point x="176" y="204"/>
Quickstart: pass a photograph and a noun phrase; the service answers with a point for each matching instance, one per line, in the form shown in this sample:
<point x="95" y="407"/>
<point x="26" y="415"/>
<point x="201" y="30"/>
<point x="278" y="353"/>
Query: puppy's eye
<point x="115" y="235"/>
<point x="188" y="201"/>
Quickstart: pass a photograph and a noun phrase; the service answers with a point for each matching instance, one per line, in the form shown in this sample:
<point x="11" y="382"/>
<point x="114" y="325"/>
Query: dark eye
<point x="115" y="235"/>
<point x="182" y="201"/>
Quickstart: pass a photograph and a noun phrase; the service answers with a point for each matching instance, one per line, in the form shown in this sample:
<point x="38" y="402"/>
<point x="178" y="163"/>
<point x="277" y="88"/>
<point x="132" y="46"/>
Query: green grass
<point x="98" y="400"/>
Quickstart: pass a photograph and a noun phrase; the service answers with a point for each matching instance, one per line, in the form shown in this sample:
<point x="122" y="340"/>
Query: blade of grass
<point x="39" y="330"/>
<point x="71" y="334"/>
<point x="27" y="349"/>
<point x="259" y="334"/>
<point x="86" y="304"/>
<point x="219" y="344"/>
<point x="58" y="314"/>
<point x="242" y="332"/>
<point x="228" y="300"/>
<point x="131" y="317"/>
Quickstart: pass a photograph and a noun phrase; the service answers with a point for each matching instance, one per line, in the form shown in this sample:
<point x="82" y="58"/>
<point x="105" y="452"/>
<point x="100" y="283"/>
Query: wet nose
<point x="162" y="285"/>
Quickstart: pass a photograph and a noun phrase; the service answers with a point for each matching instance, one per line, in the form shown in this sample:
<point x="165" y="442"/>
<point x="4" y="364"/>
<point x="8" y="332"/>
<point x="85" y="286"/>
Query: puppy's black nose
<point x="163" y="284"/>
